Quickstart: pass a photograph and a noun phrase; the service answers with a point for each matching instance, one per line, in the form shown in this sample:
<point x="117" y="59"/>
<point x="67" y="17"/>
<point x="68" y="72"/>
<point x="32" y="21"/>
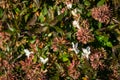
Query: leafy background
<point x="36" y="39"/>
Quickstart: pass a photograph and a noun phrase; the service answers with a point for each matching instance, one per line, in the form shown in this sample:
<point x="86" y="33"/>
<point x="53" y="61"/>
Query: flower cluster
<point x="72" y="72"/>
<point x="4" y="37"/>
<point x="32" y="70"/>
<point x="96" y="58"/>
<point x="84" y="35"/>
<point x="102" y="13"/>
<point x="57" y="42"/>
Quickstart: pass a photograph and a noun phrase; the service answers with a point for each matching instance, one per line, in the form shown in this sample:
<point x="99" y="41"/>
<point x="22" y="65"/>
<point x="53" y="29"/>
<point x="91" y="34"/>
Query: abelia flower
<point x="57" y="42"/>
<point x="43" y="60"/>
<point x="84" y="35"/>
<point x="76" y="24"/>
<point x="74" y="12"/>
<point x="96" y="58"/>
<point x="86" y="52"/>
<point x="69" y="4"/>
<point x="27" y="52"/>
<point x="72" y="71"/>
<point x="75" y="48"/>
<point x="101" y="13"/>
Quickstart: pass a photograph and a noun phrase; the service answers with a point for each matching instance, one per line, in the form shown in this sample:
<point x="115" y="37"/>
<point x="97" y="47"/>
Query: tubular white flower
<point x="69" y="5"/>
<point x="74" y="12"/>
<point x="58" y="11"/>
<point x="43" y="60"/>
<point x="75" y="48"/>
<point x="76" y="24"/>
<point x="86" y="52"/>
<point x="27" y="52"/>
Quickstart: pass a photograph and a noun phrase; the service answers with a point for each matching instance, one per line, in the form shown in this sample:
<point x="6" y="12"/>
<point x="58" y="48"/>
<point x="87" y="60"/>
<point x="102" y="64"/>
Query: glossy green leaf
<point x="33" y="39"/>
<point x="69" y="35"/>
<point x="41" y="17"/>
<point x="111" y="26"/>
<point x="24" y="11"/>
<point x="99" y="25"/>
<point x="17" y="10"/>
<point x="1" y="13"/>
<point x="109" y="44"/>
<point x="87" y="3"/>
<point x="89" y="14"/>
<point x="26" y="17"/>
<point x="44" y="11"/>
<point x="59" y="30"/>
<point x="101" y="2"/>
<point x="65" y="59"/>
<point x="35" y="59"/>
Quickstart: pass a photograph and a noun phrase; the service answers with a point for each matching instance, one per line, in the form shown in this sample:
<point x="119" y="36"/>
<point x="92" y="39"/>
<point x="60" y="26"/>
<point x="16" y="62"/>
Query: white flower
<point x="86" y="52"/>
<point x="43" y="60"/>
<point x="69" y="5"/>
<point x="27" y="52"/>
<point x="58" y="11"/>
<point x="75" y="48"/>
<point x="76" y="24"/>
<point x="74" y="12"/>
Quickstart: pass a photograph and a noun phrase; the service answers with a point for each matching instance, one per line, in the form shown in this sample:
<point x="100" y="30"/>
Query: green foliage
<point x="101" y="2"/>
<point x="1" y="12"/>
<point x="64" y="57"/>
<point x="104" y="40"/>
<point x="87" y="3"/>
<point x="38" y="40"/>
